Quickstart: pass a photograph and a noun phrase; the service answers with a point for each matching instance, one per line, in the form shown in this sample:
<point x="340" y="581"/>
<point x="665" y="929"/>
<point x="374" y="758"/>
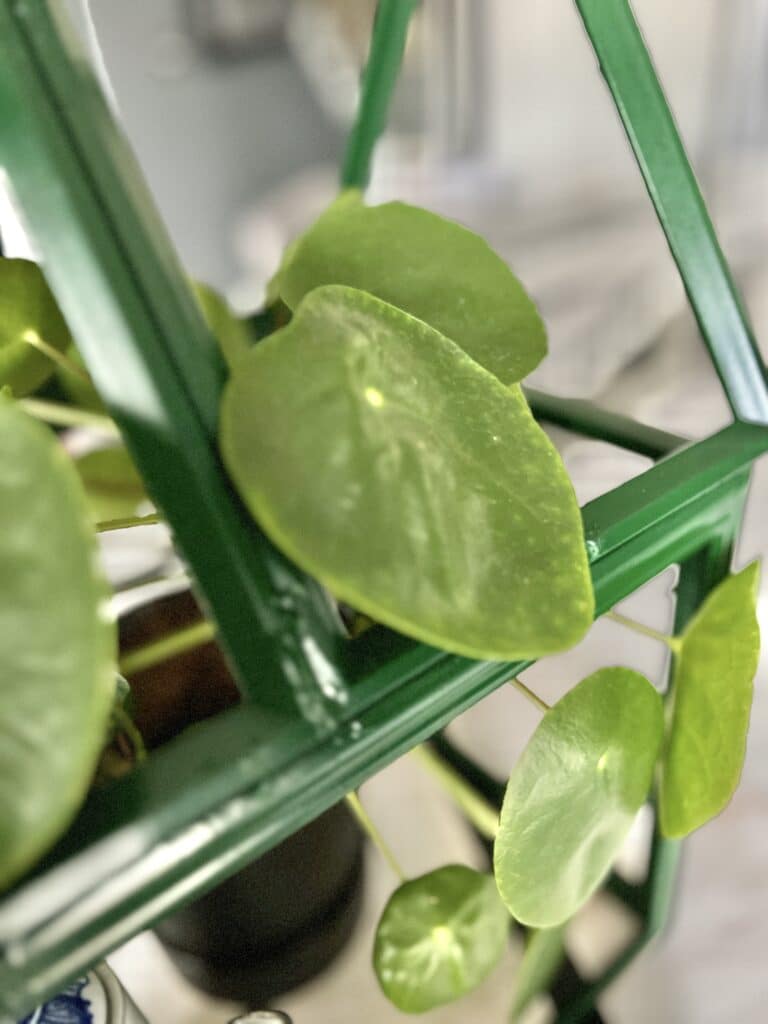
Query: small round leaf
<point x="430" y="267"/>
<point x="410" y="482"/>
<point x="57" y="644"/>
<point x="574" y="793"/>
<point x="439" y="937"/>
<point x="27" y="308"/>
<point x="712" y="698"/>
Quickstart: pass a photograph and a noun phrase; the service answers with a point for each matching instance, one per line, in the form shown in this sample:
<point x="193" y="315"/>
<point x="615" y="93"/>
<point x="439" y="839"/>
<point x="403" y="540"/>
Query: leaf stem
<point x="367" y="825"/>
<point x="672" y="642"/>
<point x="529" y="694"/>
<point x="166" y="647"/>
<point x="61" y="415"/>
<point x="31" y="337"/>
<point x="106" y="525"/>
<point x="480" y="812"/>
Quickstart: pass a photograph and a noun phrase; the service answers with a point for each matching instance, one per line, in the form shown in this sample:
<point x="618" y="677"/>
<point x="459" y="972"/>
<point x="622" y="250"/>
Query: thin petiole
<point x="367" y="825"/>
<point x="31" y="337"/>
<point x="166" y="647"/>
<point x="107" y="525"/>
<point x="529" y="694"/>
<point x="672" y="642"/>
<point x="480" y="812"/>
<point x="66" y="415"/>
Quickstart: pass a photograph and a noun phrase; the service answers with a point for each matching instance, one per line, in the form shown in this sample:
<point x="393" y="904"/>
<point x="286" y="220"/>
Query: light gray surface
<point x="210" y="136"/>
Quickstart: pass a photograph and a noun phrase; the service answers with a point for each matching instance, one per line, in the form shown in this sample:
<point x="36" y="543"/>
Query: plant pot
<point x="284" y="918"/>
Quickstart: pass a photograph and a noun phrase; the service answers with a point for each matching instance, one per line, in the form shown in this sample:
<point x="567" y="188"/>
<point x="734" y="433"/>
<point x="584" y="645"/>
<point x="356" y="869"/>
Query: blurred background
<point x="238" y="109"/>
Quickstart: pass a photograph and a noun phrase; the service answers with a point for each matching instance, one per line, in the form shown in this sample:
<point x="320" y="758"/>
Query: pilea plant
<point x="381" y="439"/>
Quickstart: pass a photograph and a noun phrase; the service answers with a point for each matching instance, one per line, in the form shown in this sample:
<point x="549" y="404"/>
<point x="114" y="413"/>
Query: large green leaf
<point x="439" y="936"/>
<point x="27" y="308"/>
<point x="113" y="487"/>
<point x="430" y="267"/>
<point x="408" y="480"/>
<point x="544" y="952"/>
<point x="57" y="643"/>
<point x="712" y="697"/>
<point x="574" y="793"/>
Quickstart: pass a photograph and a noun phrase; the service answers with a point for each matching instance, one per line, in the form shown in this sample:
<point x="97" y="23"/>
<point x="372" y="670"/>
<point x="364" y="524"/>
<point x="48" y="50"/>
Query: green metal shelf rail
<point x="232" y="787"/>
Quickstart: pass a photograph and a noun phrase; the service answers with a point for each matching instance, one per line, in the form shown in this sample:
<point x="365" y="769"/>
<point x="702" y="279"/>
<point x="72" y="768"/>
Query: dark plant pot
<point x="284" y="918"/>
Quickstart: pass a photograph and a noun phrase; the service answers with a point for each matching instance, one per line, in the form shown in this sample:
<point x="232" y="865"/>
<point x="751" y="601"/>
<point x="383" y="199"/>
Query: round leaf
<point x="574" y="793"/>
<point x="439" y="936"/>
<point x="544" y="952"/>
<point x="27" y="307"/>
<point x="408" y="480"/>
<point x="430" y="267"/>
<point x="712" y="697"/>
<point x="57" y="644"/>
<point x="113" y="487"/>
<point x="231" y="333"/>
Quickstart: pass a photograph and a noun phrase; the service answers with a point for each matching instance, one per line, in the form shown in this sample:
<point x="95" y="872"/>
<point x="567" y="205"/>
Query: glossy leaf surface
<point x="712" y="697"/>
<point x="408" y="480"/>
<point x="574" y="793"/>
<point x="57" y="643"/>
<point x="27" y="307"/>
<point x="440" y="935"/>
<point x="113" y="487"/>
<point x="544" y="952"/>
<point x="429" y="267"/>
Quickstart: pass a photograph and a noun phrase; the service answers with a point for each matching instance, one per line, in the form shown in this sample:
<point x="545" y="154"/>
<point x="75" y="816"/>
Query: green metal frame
<point x="322" y="713"/>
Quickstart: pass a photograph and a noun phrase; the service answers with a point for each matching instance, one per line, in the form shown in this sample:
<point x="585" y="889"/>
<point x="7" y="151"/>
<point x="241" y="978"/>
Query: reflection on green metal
<point x="226" y="791"/>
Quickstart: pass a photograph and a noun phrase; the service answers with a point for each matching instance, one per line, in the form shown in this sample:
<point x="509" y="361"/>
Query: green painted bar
<point x="590" y="420"/>
<point x="390" y="31"/>
<point x="116" y="277"/>
<point x="671" y="184"/>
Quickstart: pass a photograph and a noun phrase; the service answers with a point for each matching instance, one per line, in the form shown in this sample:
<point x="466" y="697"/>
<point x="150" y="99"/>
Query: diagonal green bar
<point x="388" y="39"/>
<point x="591" y="421"/>
<point x="626" y="65"/>
<point x="116" y="277"/>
